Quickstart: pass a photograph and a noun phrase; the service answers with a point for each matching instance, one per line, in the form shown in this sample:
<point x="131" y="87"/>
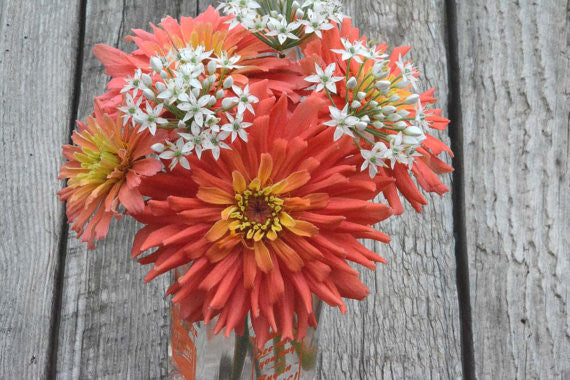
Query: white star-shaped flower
<point x="236" y="126"/>
<point x="324" y="79"/>
<point x="342" y="121"/>
<point x="130" y="109"/>
<point x="151" y="119"/>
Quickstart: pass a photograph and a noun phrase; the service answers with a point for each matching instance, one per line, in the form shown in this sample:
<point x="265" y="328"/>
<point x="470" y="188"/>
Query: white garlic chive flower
<point x="324" y="78"/>
<point x="342" y="122"/>
<point x="134" y="83"/>
<point x="282" y="29"/>
<point x="216" y="142"/>
<point x="374" y="158"/>
<point x="382" y="108"/>
<point x="352" y="50"/>
<point x="226" y="62"/>
<point x="150" y="119"/>
<point x="131" y="109"/>
<point x="175" y="152"/>
<point x="243" y="99"/>
<point x="283" y="24"/>
<point x="191" y="92"/>
<point x="195" y="108"/>
<point x="236" y="126"/>
<point x="408" y="72"/>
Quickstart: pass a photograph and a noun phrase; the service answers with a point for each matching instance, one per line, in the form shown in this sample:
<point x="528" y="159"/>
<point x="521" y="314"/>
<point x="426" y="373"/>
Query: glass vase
<point x="195" y="352"/>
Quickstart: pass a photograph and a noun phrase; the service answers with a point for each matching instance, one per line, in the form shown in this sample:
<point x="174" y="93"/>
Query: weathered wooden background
<point x="476" y="286"/>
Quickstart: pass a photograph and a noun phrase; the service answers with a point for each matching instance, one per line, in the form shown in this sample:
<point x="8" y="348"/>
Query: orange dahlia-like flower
<point x="270" y="223"/>
<point x="104" y="168"/>
<point x="426" y="164"/>
<point x="209" y="30"/>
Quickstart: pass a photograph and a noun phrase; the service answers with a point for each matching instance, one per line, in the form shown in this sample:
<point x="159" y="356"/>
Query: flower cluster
<point x="191" y="94"/>
<point x="284" y="24"/>
<point x="374" y="100"/>
<point x="253" y="172"/>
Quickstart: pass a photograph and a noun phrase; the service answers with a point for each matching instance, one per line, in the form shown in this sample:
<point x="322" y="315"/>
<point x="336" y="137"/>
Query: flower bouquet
<point x="251" y="147"/>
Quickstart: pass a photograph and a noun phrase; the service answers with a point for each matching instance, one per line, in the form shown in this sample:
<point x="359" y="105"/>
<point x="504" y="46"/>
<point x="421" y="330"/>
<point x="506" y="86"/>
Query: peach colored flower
<point x="103" y="170"/>
<point x="353" y="57"/>
<point x="266" y="226"/>
<point x="209" y="30"/>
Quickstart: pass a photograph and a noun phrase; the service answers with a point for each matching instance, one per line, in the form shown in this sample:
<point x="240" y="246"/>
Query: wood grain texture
<point x="514" y="67"/>
<point x="112" y="323"/>
<point x="409" y="325"/>
<point x="38" y="46"/>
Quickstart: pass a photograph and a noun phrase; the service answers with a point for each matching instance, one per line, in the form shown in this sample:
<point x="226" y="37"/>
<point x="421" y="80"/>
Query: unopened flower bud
<point x="295" y="5"/>
<point x="158" y="147"/>
<point x="196" y="92"/>
<point x="227" y="103"/>
<point x="412" y="99"/>
<point x="164" y="75"/>
<point x="394" y="117"/>
<point x="413" y="131"/>
<point x="148" y="94"/>
<point x="212" y="67"/>
<point x="361" y="95"/>
<point x="394" y="98"/>
<point x="361" y="125"/>
<point x="220" y="94"/>
<point x="400" y="125"/>
<point x="402" y="84"/>
<point x="147" y="80"/>
<point x="382" y="75"/>
<point x="365" y="118"/>
<point x="403" y="113"/>
<point x="156" y="64"/>
<point x="382" y="84"/>
<point x="410" y="140"/>
<point x="352" y="83"/>
<point x="377" y="124"/>
<point x="373" y="104"/>
<point x="160" y="86"/>
<point x="388" y="109"/>
<point x="212" y="101"/>
<point x="228" y="82"/>
<point x="299" y="13"/>
<point x="356" y="104"/>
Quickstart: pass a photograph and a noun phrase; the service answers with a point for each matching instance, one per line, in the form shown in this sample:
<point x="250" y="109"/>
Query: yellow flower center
<point x="258" y="213"/>
<point x="109" y="159"/>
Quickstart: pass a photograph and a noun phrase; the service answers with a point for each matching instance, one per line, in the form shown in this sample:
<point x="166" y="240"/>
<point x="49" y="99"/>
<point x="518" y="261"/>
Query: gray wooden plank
<point x="112" y="323"/>
<point x="514" y="70"/>
<point x="409" y="325"/>
<point x="38" y="47"/>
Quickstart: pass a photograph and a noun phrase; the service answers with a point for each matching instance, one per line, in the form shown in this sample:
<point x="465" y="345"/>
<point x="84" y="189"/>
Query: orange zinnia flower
<point x="270" y="223"/>
<point x="209" y="30"/>
<point x="104" y="168"/>
<point x="426" y="164"/>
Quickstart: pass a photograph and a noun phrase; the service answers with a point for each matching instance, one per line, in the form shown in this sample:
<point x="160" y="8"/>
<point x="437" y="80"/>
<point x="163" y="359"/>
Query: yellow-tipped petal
<point x="303" y="228"/>
<point x="239" y="182"/>
<point x="271" y="235"/>
<point x="265" y="168"/>
<point x="217" y="231"/>
<point x="214" y="195"/>
<point x="293" y="182"/>
<point x="258" y="235"/>
<point x="255" y="184"/>
<point x="228" y="211"/>
<point x="286" y="220"/>
<point x="262" y="257"/>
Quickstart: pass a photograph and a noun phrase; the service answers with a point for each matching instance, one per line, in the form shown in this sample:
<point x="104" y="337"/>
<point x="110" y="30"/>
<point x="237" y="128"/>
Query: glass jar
<point x="195" y="352"/>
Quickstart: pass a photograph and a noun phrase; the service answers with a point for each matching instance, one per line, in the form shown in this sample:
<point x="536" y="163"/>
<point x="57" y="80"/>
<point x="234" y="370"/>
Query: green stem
<point x="240" y="352"/>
